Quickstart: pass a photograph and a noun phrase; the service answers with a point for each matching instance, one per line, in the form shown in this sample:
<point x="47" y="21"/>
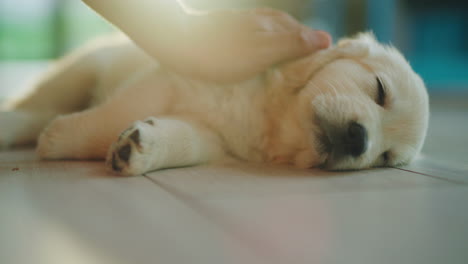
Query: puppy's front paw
<point x="136" y="150"/>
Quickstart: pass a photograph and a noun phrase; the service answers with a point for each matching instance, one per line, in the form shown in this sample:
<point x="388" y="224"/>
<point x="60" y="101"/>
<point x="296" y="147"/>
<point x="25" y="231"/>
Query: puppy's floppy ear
<point x="357" y="46"/>
<point x="296" y="74"/>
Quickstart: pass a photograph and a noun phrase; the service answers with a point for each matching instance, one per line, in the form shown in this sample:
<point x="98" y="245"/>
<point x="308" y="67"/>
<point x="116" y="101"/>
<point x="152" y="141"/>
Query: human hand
<point x="233" y="45"/>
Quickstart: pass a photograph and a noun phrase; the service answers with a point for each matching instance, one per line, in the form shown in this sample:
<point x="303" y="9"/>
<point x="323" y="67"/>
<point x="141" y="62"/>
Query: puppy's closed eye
<point x="386" y="157"/>
<point x="381" y="93"/>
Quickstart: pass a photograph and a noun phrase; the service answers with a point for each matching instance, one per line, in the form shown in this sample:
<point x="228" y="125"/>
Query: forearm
<point x="138" y="12"/>
<point x="142" y="20"/>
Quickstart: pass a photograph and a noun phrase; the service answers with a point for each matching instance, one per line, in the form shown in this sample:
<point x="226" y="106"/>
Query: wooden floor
<point x="76" y="212"/>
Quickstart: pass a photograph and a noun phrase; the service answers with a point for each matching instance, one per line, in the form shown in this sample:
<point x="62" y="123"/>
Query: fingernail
<point x="317" y="39"/>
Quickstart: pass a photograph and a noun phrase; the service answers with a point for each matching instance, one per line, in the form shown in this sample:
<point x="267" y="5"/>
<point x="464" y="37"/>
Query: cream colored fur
<point x="286" y="115"/>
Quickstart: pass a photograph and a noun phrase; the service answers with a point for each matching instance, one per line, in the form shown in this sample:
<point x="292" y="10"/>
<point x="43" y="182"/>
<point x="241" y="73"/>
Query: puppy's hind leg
<point x="159" y="143"/>
<point x="64" y="88"/>
<point x="89" y="134"/>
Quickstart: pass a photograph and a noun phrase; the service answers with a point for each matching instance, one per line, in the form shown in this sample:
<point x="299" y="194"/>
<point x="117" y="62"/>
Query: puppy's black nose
<point x="355" y="140"/>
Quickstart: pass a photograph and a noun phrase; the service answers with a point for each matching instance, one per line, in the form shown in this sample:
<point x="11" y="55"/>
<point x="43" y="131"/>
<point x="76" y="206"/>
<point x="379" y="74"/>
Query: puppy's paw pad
<point x="149" y="121"/>
<point x="135" y="137"/>
<point x="124" y="153"/>
<point x="132" y="154"/>
<point x="125" y="150"/>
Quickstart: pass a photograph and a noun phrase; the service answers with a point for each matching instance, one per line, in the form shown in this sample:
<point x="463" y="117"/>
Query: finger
<point x="277" y="21"/>
<point x="315" y="39"/>
<point x="289" y="45"/>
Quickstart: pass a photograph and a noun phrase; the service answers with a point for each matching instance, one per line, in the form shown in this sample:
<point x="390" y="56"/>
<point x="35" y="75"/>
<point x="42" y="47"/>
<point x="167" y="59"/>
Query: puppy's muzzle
<point x="342" y="142"/>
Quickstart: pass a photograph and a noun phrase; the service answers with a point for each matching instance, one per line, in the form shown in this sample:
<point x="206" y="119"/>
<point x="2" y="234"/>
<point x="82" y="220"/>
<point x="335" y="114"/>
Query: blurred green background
<point x="44" y="29"/>
<point x="431" y="33"/>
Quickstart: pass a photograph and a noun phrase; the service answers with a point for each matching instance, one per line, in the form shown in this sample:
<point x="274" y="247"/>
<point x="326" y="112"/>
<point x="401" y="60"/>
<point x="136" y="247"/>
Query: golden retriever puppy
<point x="355" y="105"/>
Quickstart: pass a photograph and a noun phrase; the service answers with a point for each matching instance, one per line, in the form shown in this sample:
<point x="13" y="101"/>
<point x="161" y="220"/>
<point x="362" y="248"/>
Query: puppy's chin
<point x="330" y="160"/>
<point x="337" y="162"/>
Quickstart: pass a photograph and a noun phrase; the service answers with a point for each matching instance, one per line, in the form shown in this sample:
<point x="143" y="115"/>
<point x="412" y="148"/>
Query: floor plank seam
<point x="433" y="176"/>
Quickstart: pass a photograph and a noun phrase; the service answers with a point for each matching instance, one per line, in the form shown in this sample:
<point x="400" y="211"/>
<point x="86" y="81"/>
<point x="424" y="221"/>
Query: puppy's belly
<point x="232" y="111"/>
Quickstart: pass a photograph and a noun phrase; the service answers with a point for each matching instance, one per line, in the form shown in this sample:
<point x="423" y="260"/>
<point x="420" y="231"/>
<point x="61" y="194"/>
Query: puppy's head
<point x="369" y="107"/>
